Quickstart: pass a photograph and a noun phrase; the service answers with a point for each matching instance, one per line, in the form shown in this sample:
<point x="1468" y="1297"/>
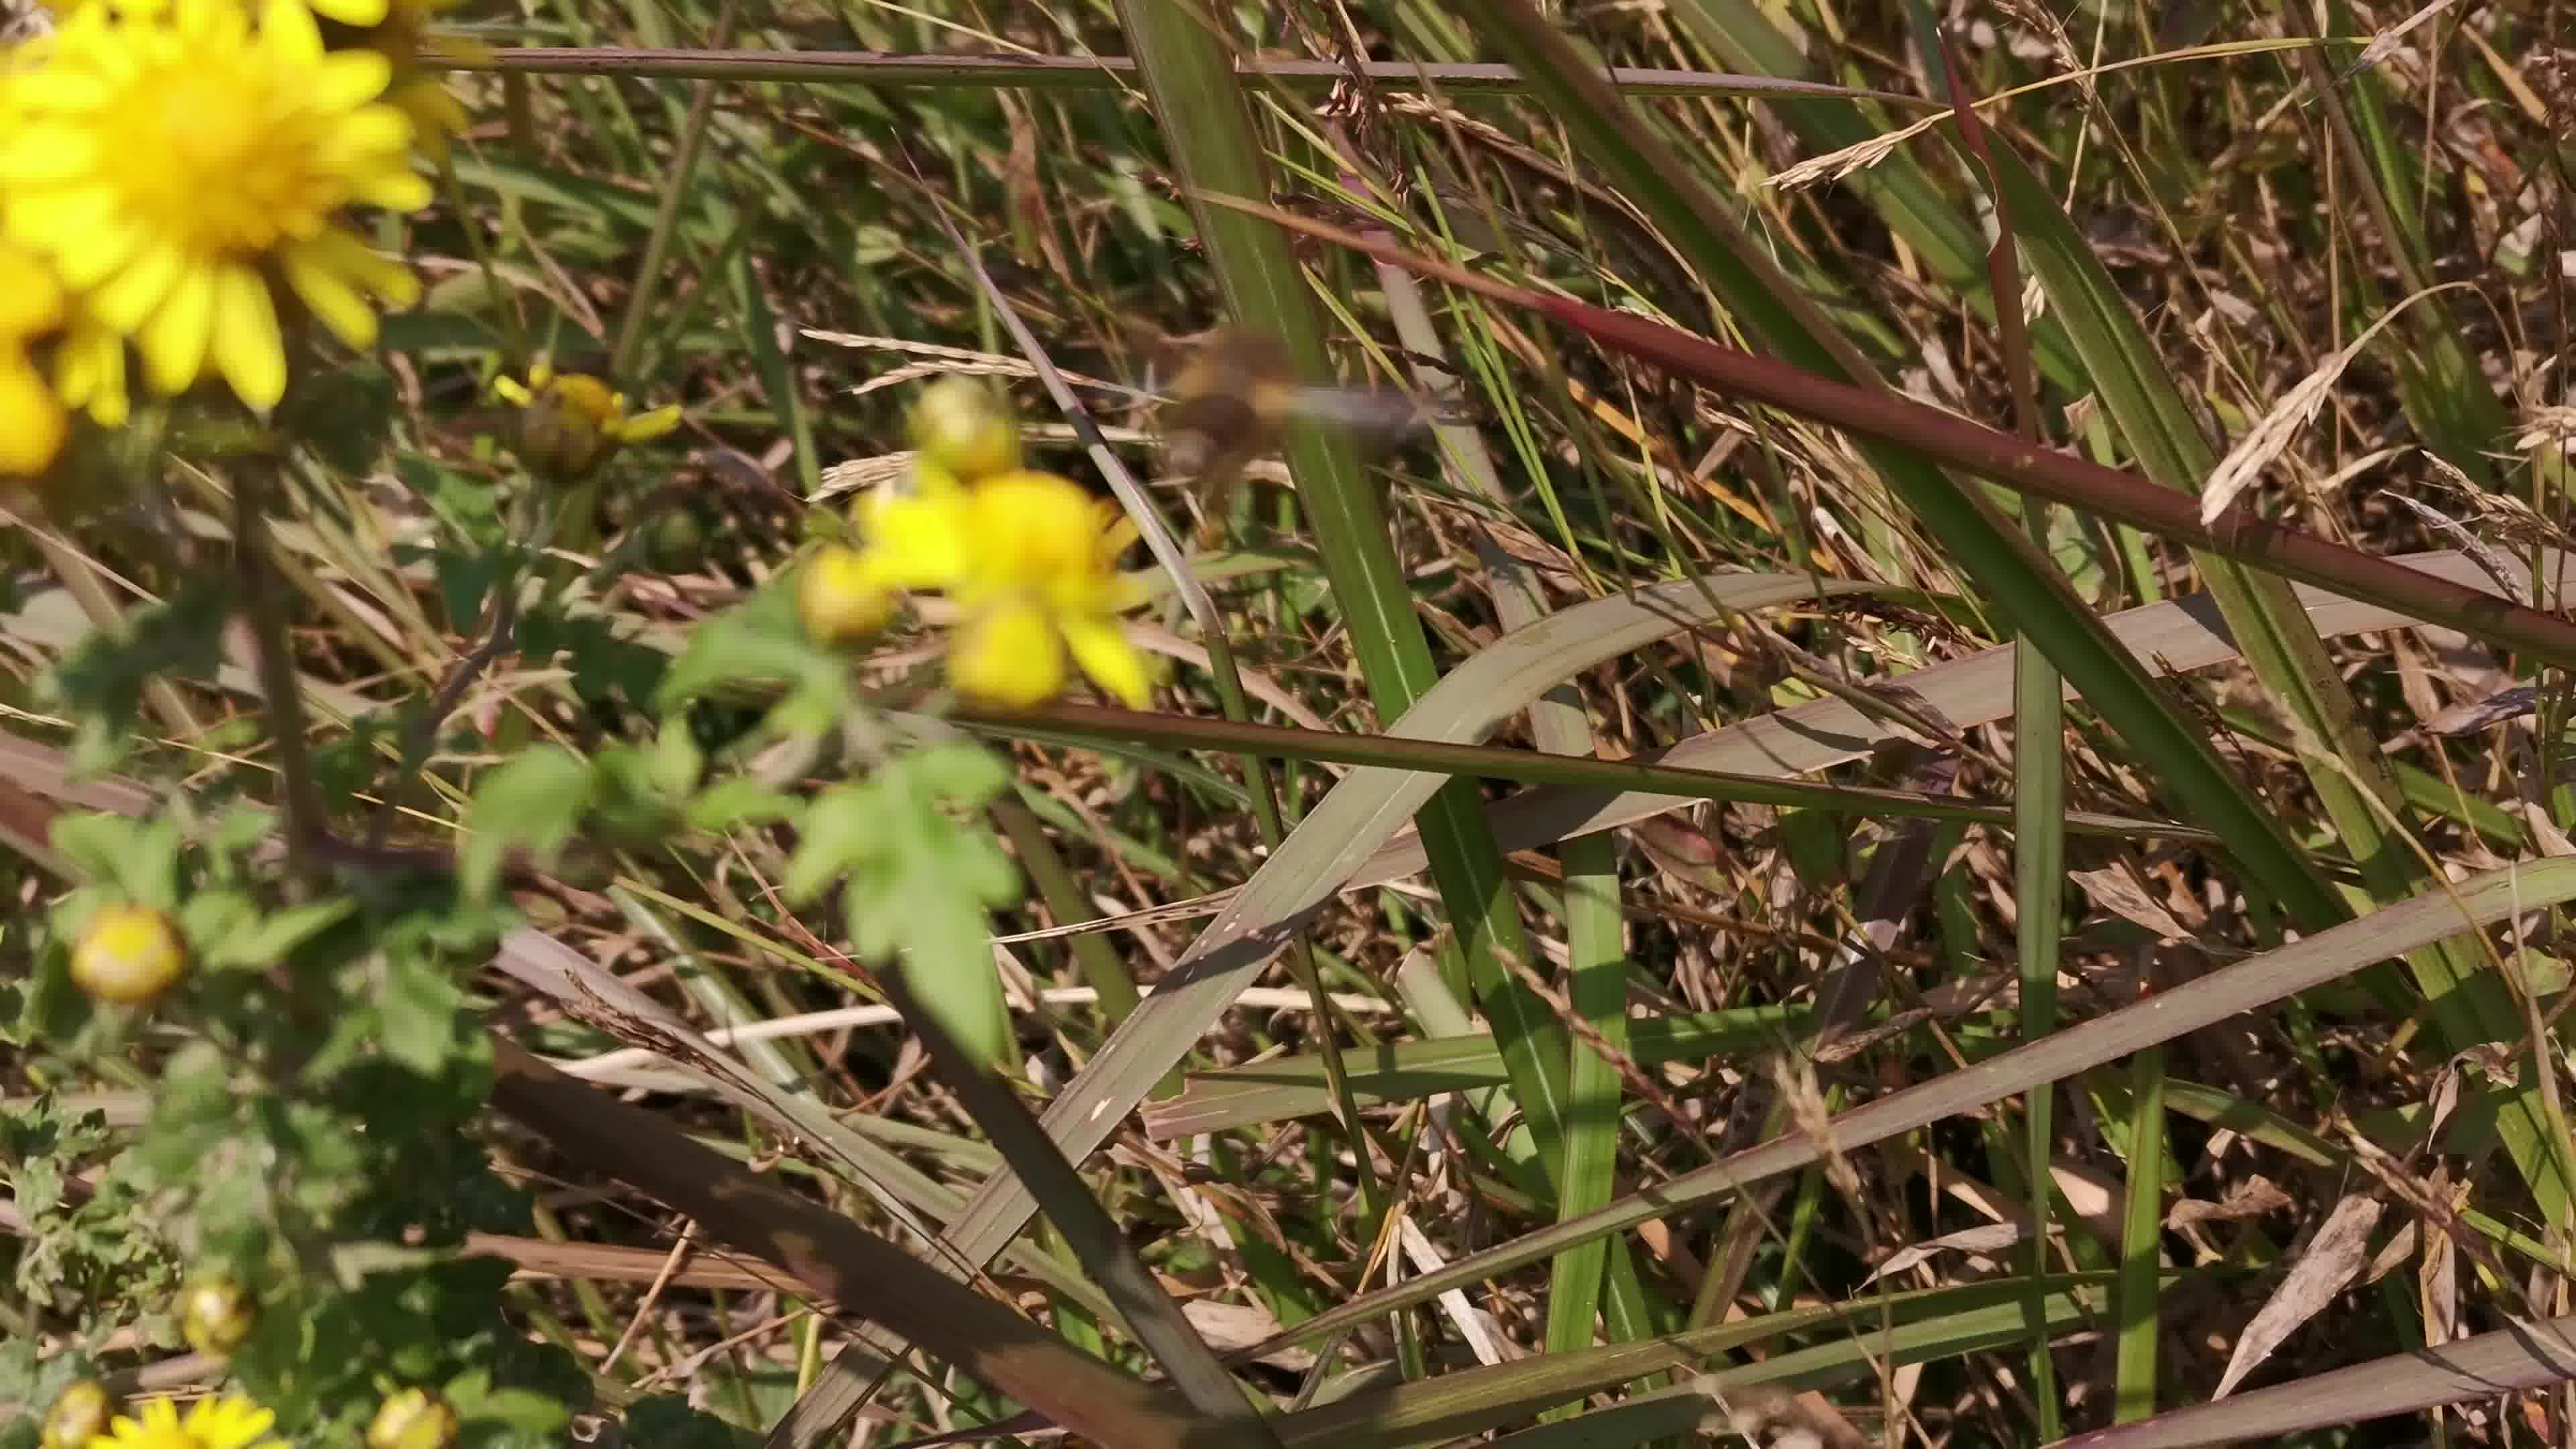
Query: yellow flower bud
<point x="216" y="1313"/>
<point x="964" y="427"/>
<point x="413" y="1419"/>
<point x="79" y="1414"/>
<point x="841" y="597"/>
<point x="128" y="955"/>
<point x="570" y="423"/>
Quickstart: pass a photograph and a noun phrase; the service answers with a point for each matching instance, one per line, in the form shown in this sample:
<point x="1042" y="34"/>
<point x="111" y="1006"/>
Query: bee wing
<point x="1380" y="412"/>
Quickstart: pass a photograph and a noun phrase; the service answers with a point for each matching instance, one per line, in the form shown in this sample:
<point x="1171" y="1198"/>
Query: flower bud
<point x="413" y="1419"/>
<point x="964" y="427"/>
<point x="129" y="955"/>
<point x="840" y="597"/>
<point x="216" y="1314"/>
<point x="79" y="1414"/>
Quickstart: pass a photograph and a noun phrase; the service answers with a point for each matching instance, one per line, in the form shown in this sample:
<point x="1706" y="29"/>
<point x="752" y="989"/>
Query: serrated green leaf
<point x="845" y="824"/>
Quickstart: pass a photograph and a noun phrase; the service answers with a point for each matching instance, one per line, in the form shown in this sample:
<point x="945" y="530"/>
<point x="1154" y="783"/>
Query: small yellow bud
<point x="413" y="1419"/>
<point x="964" y="427"/>
<point x="129" y="955"/>
<point x="841" y="598"/>
<point x="216" y="1314"/>
<point x="79" y="1414"/>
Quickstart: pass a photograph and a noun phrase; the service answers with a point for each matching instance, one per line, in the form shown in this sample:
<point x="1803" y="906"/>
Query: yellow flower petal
<point x="1009" y="655"/>
<point x="362" y="14"/>
<point x="89" y="371"/>
<point x="128" y="298"/>
<point x="334" y="302"/>
<point x="286" y="28"/>
<point x="173" y="340"/>
<point x="1101" y="648"/>
<point x="31" y="297"/>
<point x="921" y="542"/>
<point x="32" y="424"/>
<point x="248" y="350"/>
<point x="645" y="427"/>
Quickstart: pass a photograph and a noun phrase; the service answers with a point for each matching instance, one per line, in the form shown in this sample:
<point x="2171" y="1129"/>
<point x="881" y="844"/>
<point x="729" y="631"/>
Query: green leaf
<point x="420" y="1005"/>
<point x="740" y="801"/>
<point x="536" y="800"/>
<point x="261" y="943"/>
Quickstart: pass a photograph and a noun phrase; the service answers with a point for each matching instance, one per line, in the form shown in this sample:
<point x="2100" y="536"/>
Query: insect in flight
<point x="1230" y="393"/>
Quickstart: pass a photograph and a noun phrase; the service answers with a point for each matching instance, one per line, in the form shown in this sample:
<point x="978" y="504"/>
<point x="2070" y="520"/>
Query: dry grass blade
<point x="2247" y="985"/>
<point x="838" y="1261"/>
<point x="2526" y="1356"/>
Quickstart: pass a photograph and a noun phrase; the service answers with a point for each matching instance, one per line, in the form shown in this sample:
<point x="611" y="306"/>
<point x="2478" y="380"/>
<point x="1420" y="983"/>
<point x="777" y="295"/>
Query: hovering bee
<point x="1231" y="392"/>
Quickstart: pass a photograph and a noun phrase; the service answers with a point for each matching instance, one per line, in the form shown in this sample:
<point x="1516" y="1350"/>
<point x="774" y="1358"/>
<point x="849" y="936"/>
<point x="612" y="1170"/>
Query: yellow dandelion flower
<point x="172" y="159"/>
<point x="571" y="422"/>
<point x="230" y="1422"/>
<point x="1032" y="559"/>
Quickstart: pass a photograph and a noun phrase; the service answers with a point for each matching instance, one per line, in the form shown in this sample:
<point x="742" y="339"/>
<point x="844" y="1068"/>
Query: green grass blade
<point x="2343" y="764"/>
<point x="1408" y="1071"/>
<point x="1899" y="188"/>
<point x="2141" y="1307"/>
<point x="2247" y="985"/>
<point x="1209" y="129"/>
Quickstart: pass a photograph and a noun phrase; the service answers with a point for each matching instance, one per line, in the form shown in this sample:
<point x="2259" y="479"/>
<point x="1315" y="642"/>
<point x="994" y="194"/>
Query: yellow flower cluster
<point x="177" y="179"/>
<point x="1029" y="558"/>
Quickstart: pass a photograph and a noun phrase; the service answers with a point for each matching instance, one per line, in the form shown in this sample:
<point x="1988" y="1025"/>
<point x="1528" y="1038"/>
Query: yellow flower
<point x="1032" y="559"/>
<point x="171" y="159"/>
<point x="572" y="422"/>
<point x="231" y="1422"/>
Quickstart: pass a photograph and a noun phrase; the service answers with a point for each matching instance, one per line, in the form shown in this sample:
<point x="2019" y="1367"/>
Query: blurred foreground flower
<point x="572" y="422"/>
<point x="32" y="423"/>
<point x="407" y="34"/>
<point x="170" y="159"/>
<point x="1033" y="562"/>
<point x="230" y="1422"/>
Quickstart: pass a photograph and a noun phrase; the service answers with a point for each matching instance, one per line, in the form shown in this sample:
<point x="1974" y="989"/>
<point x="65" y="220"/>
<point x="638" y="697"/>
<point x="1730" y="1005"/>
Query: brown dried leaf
<point x="2118" y="891"/>
<point x="2251" y="1198"/>
<point x="2332" y="1258"/>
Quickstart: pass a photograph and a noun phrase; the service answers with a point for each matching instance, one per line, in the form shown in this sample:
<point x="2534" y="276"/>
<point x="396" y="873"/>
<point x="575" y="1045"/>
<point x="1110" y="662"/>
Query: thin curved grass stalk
<point x="2470" y="905"/>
